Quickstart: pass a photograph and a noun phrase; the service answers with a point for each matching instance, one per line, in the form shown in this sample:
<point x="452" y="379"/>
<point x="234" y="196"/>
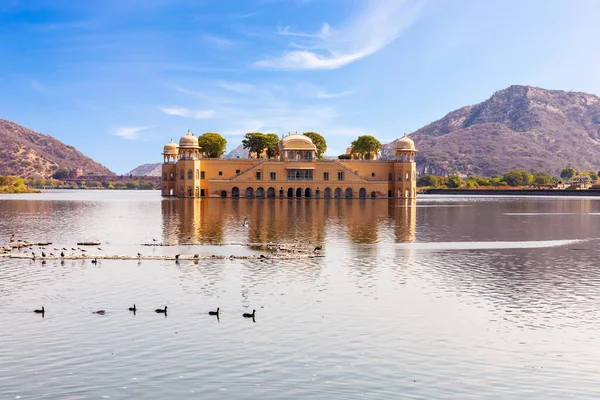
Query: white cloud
<point x="369" y="31"/>
<point x="129" y="132"/>
<point x="188" y="113"/>
<point x="321" y="94"/>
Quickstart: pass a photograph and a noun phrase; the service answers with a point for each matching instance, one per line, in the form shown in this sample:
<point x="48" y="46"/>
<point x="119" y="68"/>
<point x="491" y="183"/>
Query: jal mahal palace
<point x="295" y="173"/>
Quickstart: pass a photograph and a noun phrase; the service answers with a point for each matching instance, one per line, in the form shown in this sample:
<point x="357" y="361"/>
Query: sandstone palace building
<point x="295" y="173"/>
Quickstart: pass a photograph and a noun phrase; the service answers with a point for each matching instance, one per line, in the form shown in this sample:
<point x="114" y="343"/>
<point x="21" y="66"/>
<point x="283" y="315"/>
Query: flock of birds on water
<point x="158" y="311"/>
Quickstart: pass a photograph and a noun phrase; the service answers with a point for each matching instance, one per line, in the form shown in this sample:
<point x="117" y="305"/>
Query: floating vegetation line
<point x="276" y="251"/>
<point x="190" y="257"/>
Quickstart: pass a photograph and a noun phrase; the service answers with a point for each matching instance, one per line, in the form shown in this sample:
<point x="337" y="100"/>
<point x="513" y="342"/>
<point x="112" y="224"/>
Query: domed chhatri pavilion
<point x="296" y="173"/>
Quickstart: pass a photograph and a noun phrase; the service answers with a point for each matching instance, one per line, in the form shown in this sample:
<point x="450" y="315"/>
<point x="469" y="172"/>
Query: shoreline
<point x="515" y="192"/>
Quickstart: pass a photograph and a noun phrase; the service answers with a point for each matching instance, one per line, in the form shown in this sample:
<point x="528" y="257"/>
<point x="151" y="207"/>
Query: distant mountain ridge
<point x="29" y="154"/>
<point x="154" y="169"/>
<point x="519" y="127"/>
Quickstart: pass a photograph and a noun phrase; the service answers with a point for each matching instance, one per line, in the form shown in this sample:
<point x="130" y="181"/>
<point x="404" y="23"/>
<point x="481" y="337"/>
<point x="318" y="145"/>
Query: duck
<point x="161" y="310"/>
<point x="40" y="311"/>
<point x="62" y="254"/>
<point x="247" y="315"/>
<point x="134" y="309"/>
<point x="196" y="256"/>
<point x="139" y="255"/>
<point x="214" y="312"/>
<point x="95" y="261"/>
<point x="100" y="312"/>
<point x="318" y="248"/>
<point x="43" y="254"/>
<point x="177" y="256"/>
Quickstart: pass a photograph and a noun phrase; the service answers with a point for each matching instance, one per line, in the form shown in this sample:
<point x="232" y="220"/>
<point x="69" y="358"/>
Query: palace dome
<point x="405" y="144"/>
<point x="170" y="148"/>
<point x="296" y="141"/>
<point x="188" y="141"/>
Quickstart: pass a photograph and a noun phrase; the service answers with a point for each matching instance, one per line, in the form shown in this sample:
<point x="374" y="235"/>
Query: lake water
<point x="494" y="298"/>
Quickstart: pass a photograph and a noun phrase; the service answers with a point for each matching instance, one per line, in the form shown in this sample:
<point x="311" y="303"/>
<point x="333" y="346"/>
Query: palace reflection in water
<point x="216" y="221"/>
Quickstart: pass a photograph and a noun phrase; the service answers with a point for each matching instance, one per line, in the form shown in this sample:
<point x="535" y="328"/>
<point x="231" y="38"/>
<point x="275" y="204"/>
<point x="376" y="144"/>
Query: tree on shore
<point x="366" y="145"/>
<point x="518" y="177"/>
<point x="454" y="181"/>
<point x="61" y="173"/>
<point x="319" y="142"/>
<point x="212" y="144"/>
<point x="568" y="173"/>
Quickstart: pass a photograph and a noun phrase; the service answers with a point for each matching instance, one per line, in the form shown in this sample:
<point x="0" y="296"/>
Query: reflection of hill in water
<point x="215" y="221"/>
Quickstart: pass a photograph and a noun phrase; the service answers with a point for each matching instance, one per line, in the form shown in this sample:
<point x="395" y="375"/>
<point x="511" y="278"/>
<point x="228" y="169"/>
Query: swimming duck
<point x="161" y="310"/>
<point x="247" y="315"/>
<point x="214" y="312"/>
<point x="95" y="261"/>
<point x="100" y="312"/>
<point x="134" y="309"/>
<point x="177" y="256"/>
<point x="62" y="253"/>
<point x="40" y="311"/>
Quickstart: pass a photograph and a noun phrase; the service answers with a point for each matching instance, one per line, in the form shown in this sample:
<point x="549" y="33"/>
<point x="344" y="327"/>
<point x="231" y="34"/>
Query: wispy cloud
<point x="35" y="85"/>
<point x="372" y="29"/>
<point x="188" y="113"/>
<point x="321" y="94"/>
<point x="129" y="132"/>
<point x="218" y="42"/>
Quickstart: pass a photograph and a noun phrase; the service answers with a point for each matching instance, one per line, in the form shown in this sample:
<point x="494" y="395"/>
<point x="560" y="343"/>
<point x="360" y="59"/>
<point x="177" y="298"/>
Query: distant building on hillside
<point x="295" y="173"/>
<point x="75" y="173"/>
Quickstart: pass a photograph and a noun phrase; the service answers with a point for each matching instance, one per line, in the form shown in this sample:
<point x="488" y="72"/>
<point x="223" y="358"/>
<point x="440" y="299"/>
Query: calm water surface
<point x="490" y="298"/>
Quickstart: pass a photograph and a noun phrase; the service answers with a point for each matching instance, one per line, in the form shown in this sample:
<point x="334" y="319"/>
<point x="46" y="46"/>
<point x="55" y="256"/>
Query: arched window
<point x="181" y="174"/>
<point x="407" y="177"/>
<point x="190" y="174"/>
<point x="164" y="176"/>
<point x="399" y="176"/>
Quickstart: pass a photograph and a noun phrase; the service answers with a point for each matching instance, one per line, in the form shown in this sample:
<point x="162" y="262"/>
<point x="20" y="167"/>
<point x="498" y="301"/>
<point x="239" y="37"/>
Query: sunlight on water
<point x="452" y="298"/>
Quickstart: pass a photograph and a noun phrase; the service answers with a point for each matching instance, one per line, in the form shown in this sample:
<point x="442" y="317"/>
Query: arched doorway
<point x="235" y="192"/>
<point x="271" y="192"/>
<point x="281" y="193"/>
<point x="290" y="192"/>
<point x="308" y="192"/>
<point x="249" y="192"/>
<point x="171" y="192"/>
<point x="260" y="192"/>
<point x="338" y="193"/>
<point x="373" y="194"/>
<point x="223" y="193"/>
<point x="348" y="193"/>
<point x="327" y="193"/>
<point x="317" y="193"/>
<point x="299" y="192"/>
<point x="362" y="193"/>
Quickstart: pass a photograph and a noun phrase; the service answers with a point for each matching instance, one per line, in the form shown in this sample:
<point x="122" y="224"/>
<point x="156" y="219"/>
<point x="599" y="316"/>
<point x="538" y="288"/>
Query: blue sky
<point x="118" y="79"/>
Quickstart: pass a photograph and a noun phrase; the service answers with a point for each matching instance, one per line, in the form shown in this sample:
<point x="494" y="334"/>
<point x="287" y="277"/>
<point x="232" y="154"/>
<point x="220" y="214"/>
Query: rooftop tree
<point x="212" y="144"/>
<point x="319" y="142"/>
<point x="365" y="146"/>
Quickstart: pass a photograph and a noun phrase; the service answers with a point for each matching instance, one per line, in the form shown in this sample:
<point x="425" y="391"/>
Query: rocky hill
<point x="29" y="154"/>
<point x="518" y="127"/>
<point x="238" y="152"/>
<point x="146" y="170"/>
